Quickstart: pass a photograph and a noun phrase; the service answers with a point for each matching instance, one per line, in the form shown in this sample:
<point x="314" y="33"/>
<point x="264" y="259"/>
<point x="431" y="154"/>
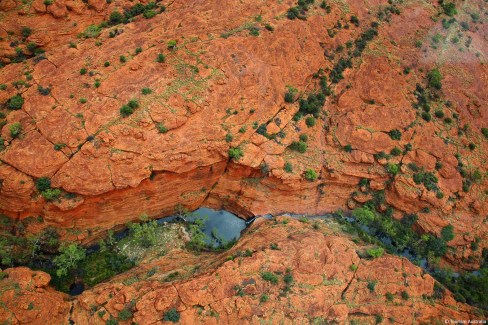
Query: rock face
<point x="27" y="299"/>
<point x="279" y="272"/>
<point x="225" y="78"/>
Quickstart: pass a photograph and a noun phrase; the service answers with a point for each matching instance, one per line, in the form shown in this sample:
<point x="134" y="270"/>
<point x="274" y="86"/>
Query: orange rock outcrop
<point x="327" y="281"/>
<point x="220" y="80"/>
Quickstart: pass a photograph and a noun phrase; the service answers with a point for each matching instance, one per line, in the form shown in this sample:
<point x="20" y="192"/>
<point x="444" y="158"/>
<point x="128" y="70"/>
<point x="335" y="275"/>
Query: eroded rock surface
<point x="326" y="280"/>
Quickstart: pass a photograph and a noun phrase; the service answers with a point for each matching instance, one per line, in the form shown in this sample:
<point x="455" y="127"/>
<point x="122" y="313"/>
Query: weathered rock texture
<point x="329" y="283"/>
<point x="221" y="80"/>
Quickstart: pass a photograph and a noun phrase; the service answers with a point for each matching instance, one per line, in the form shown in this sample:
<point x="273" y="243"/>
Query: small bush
<point x="15" y="129"/>
<point x="447" y="233"/>
<point x="298" y="146"/>
<point x="146" y="91"/>
<point x="396" y="151"/>
<point x="310" y="175"/>
<point x="116" y="18"/>
<point x="51" y="194"/>
<point x="133" y="103"/>
<point x="161" y="128"/>
<point x="434" y="78"/>
<point x="405" y="295"/>
<point x="125" y="315"/>
<point x="92" y="31"/>
<point x="123" y="59"/>
<point x="371" y="286"/>
<point x="270" y="277"/>
<point x="484" y="131"/>
<point x="235" y="153"/>
<point x="393" y="168"/>
<point x="449" y="8"/>
<point x="43" y="184"/>
<point x="126" y="110"/>
<point x="303" y="137"/>
<point x="288" y="167"/>
<point x="347" y="148"/>
<point x="171" y="44"/>
<point x="389" y="296"/>
<point x="264" y="298"/>
<point x="83" y="100"/>
<point x="15" y="102"/>
<point x="148" y="14"/>
<point x="106" y="64"/>
<point x="161" y="58"/>
<point x="395" y="134"/>
<point x="83" y="71"/>
<point x="310" y="121"/>
<point x="172" y="315"/>
<point x="375" y="252"/>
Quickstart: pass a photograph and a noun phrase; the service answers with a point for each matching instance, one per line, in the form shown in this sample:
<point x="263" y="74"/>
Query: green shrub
<point x="161" y="128"/>
<point x="434" y="78"/>
<point x="396" y="151"/>
<point x="123" y="59"/>
<point x="51" y="194"/>
<point x="43" y="184"/>
<point x="347" y="148"/>
<point x="125" y="315"/>
<point x="92" y="31"/>
<point x="148" y="14"/>
<point x="389" y="296"/>
<point x="126" y="110"/>
<point x="69" y="258"/>
<point x="146" y="91"/>
<point x="15" y="129"/>
<point x="288" y="167"/>
<point x="172" y="315"/>
<point x="171" y="44"/>
<point x="288" y="279"/>
<point x="393" y="168"/>
<point x="449" y="8"/>
<point x="371" y="285"/>
<point x="83" y="71"/>
<point x="405" y="295"/>
<point x="426" y="116"/>
<point x="310" y="121"/>
<point x="116" y="18"/>
<point x="161" y="58"/>
<point x="83" y="100"/>
<point x="298" y="146"/>
<point x="428" y="179"/>
<point x="235" y="153"/>
<point x="447" y="233"/>
<point x="484" y="131"/>
<point x="270" y="277"/>
<point x="229" y="137"/>
<point x="254" y="31"/>
<point x="375" y="252"/>
<point x="395" y="134"/>
<point x="15" y="102"/>
<point x="439" y="113"/>
<point x="106" y="64"/>
<point x="264" y="298"/>
<point x="313" y="104"/>
<point x="26" y="31"/>
<point x="310" y="175"/>
<point x="97" y="83"/>
<point x="133" y="103"/>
